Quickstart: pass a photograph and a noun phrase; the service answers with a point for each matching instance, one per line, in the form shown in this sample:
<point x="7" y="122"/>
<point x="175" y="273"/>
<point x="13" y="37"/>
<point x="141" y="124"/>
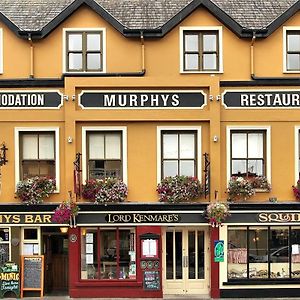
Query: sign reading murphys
<point x="48" y="99"/>
<point x="154" y="99"/>
<point x="237" y="99"/>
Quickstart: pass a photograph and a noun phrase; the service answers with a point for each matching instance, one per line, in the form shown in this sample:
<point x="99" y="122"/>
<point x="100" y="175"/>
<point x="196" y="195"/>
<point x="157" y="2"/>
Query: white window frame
<point x="123" y="130"/>
<point x="64" y="52"/>
<point x="179" y="128"/>
<point x="201" y="28"/>
<point x="1" y="51"/>
<point x="297" y="168"/>
<point x="37" y="241"/>
<point x="19" y="130"/>
<point x="9" y="241"/>
<point x="268" y="146"/>
<point x="285" y="29"/>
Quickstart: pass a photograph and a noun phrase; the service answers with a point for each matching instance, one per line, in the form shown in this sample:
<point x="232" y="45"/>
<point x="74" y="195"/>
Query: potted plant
<point x="106" y="190"/>
<point x="66" y="212"/>
<point x="178" y="188"/>
<point x="260" y="183"/>
<point x="34" y="190"/>
<point x="239" y="188"/>
<point x="216" y="213"/>
<point x="296" y="190"/>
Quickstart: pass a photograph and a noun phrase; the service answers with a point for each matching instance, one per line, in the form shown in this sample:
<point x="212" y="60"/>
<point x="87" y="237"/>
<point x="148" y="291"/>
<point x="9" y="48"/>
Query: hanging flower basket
<point x="296" y="190"/>
<point x="34" y="190"/>
<point x="216" y="213"/>
<point x="175" y="189"/>
<point x="106" y="190"/>
<point x="66" y="212"/>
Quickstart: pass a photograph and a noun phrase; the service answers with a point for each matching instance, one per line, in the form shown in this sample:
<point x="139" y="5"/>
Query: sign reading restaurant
<point x="235" y="99"/>
<point x="102" y="99"/>
<point x="30" y="99"/>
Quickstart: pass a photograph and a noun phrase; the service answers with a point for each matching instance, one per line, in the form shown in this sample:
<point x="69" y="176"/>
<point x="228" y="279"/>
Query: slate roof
<point x="255" y="14"/>
<point x="35" y="15"/>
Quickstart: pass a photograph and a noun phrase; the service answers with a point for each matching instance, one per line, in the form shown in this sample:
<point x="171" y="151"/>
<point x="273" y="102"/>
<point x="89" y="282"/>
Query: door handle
<point x="185" y="261"/>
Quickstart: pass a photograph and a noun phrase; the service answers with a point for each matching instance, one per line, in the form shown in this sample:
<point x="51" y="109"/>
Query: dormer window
<point x="201" y="50"/>
<point x="84" y="51"/>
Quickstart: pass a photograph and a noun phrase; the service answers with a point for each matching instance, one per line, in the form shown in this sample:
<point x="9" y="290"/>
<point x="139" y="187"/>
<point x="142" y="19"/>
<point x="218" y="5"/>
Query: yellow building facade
<point x="142" y="91"/>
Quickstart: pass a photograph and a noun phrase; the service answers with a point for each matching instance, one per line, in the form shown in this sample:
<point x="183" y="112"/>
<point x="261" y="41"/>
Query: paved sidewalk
<point x="172" y="297"/>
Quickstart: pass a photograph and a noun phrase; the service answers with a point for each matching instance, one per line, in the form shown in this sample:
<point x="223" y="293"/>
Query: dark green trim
<point x="111" y="207"/>
<point x="260" y="293"/>
<point x="31" y="82"/>
<point x="263" y="81"/>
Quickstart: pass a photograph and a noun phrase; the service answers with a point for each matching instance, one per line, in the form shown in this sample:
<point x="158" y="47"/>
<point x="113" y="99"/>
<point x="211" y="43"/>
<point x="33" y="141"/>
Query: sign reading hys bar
<point x="30" y="99"/>
<point x="261" y="99"/>
<point x="192" y="99"/>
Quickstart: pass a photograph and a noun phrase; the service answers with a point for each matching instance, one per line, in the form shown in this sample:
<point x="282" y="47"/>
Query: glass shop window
<point x="268" y="252"/>
<point x="31" y="241"/>
<point x="4" y="245"/>
<point x="108" y="253"/>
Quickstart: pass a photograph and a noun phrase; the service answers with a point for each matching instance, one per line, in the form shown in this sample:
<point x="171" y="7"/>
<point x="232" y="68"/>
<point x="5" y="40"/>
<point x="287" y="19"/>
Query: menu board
<point x="9" y="279"/>
<point x="32" y="273"/>
<point x="151" y="280"/>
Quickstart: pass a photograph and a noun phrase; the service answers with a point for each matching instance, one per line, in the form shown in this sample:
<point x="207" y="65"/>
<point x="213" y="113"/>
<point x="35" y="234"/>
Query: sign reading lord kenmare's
<point x="142" y="99"/>
<point x="261" y="99"/>
<point x="30" y="99"/>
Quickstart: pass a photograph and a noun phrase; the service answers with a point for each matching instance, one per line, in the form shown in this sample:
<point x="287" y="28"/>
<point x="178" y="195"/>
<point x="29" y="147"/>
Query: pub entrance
<point x="55" y="250"/>
<point x="185" y="261"/>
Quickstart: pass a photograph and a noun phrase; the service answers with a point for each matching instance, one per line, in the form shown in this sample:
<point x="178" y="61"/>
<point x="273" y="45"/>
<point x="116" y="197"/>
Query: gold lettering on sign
<point x="9" y="276"/>
<point x="279" y="217"/>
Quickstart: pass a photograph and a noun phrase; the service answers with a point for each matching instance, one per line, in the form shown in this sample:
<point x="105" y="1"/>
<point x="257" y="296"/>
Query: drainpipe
<point x="143" y="51"/>
<point x="274" y="79"/>
<point x="252" y="55"/>
<point x="31" y="56"/>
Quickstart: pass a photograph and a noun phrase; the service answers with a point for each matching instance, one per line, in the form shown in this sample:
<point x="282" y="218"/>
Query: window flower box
<point x="34" y="190"/>
<point x="242" y="188"/>
<point x="174" y="189"/>
<point x="106" y="190"/>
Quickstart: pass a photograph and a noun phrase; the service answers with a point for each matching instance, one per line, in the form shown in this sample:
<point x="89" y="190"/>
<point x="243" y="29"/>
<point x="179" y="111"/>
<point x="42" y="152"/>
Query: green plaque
<point x="219" y="251"/>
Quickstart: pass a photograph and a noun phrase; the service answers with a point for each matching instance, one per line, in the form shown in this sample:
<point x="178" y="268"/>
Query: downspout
<point x="121" y="74"/>
<point x="143" y="52"/>
<point x="252" y="55"/>
<point x="253" y="77"/>
<point x="31" y="56"/>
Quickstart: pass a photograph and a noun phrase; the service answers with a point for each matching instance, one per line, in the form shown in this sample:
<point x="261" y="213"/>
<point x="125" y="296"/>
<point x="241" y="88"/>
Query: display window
<point x="108" y="253"/>
<point x="4" y="245"/>
<point x="263" y="252"/>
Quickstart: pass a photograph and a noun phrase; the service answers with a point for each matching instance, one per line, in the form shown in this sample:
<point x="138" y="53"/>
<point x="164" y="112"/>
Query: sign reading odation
<point x="142" y="99"/>
<point x="261" y="99"/>
<point x="30" y="99"/>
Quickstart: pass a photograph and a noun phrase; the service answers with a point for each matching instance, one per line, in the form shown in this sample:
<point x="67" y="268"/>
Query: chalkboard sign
<point x="33" y="273"/>
<point x="151" y="280"/>
<point x="9" y="279"/>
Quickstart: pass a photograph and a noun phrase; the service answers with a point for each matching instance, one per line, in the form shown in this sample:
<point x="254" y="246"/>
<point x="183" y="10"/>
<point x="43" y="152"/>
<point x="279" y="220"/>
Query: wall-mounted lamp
<point x="215" y="138"/>
<point x="64" y="229"/>
<point x="70" y="140"/>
